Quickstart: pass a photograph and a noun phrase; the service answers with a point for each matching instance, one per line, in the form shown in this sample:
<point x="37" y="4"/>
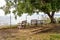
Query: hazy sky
<point x="23" y="17"/>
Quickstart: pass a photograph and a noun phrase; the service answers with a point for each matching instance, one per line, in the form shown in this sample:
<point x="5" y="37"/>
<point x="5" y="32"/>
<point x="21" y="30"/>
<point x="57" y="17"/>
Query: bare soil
<point x="25" y="34"/>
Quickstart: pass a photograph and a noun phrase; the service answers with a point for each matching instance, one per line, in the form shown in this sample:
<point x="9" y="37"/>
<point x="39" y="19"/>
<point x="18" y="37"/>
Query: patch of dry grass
<point x="8" y="26"/>
<point x="16" y="34"/>
<point x="24" y="34"/>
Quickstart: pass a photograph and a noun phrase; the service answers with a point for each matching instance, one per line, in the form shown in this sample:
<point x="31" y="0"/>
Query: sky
<point x="5" y="19"/>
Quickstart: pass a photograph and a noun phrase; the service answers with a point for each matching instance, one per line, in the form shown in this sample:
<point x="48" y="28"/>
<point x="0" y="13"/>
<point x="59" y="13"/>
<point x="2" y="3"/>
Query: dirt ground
<point x="13" y="34"/>
<point x="24" y="34"/>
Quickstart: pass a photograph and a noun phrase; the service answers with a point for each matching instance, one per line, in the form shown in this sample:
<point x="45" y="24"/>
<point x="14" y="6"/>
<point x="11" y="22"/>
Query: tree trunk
<point x="51" y="16"/>
<point x="52" y="19"/>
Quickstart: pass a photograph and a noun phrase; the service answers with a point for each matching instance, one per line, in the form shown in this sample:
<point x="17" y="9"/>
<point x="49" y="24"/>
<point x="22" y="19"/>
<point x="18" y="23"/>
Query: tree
<point x="31" y="6"/>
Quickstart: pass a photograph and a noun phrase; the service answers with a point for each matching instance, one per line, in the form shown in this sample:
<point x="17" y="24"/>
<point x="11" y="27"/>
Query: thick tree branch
<point x="53" y="12"/>
<point x="51" y="16"/>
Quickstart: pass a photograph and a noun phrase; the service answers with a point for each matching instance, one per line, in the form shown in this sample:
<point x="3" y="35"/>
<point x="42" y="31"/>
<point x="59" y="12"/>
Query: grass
<point x="55" y="37"/>
<point x="8" y="26"/>
<point x="6" y="33"/>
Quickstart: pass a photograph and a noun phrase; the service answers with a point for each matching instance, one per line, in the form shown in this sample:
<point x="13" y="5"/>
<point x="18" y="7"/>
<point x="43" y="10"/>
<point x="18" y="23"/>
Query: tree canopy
<point x="31" y="6"/>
